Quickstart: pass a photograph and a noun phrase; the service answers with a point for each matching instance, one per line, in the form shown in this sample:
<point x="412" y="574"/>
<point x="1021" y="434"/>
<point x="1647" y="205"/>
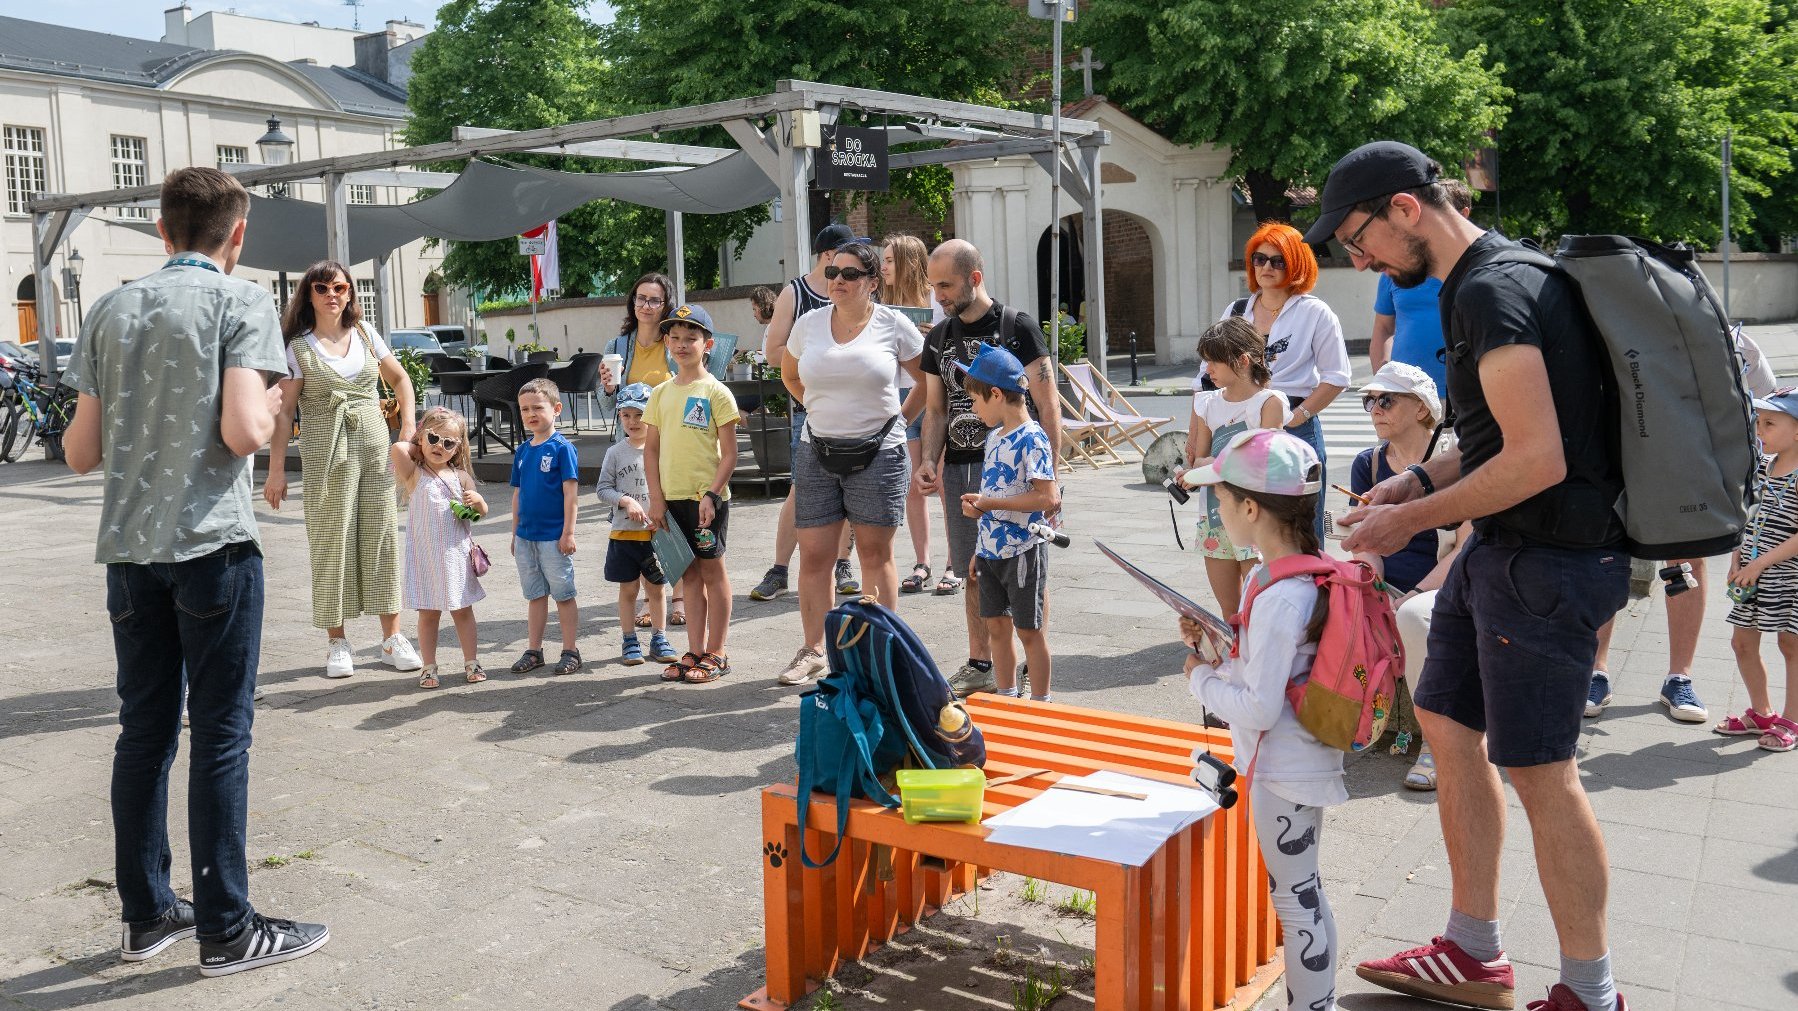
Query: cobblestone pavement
<point x="593" y="840"/>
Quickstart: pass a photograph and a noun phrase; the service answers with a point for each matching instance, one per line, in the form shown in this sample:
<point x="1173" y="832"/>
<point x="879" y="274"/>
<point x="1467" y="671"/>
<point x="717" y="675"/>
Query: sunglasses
<point x="1264" y="260"/>
<point x="833" y="272"/>
<point x="449" y="445"/>
<point x="331" y="288"/>
<point x="1384" y="401"/>
<point x="1353" y="242"/>
<point x="651" y="303"/>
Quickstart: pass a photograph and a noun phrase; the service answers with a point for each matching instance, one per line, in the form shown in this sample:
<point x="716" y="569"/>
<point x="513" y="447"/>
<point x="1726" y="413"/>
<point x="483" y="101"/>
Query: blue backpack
<point x="883" y="707"/>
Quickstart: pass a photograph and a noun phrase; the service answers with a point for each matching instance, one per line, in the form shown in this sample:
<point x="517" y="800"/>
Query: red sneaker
<point x="1562" y="999"/>
<point x="1442" y="971"/>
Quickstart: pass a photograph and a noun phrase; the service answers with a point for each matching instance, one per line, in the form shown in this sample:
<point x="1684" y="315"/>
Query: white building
<point x="83" y="111"/>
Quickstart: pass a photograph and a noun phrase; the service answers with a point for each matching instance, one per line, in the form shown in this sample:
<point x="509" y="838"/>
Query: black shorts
<point x="684" y="515"/>
<point x="1512" y="640"/>
<point x="1015" y="587"/>
<point x="628" y="561"/>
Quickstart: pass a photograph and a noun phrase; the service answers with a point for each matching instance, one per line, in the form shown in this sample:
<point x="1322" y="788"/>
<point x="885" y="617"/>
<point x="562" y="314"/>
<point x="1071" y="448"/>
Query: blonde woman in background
<point x="903" y="259"/>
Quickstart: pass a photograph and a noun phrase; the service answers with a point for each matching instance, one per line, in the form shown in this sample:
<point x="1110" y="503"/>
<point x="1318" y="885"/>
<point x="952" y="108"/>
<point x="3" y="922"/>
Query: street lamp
<point x="276" y="148"/>
<point x="75" y="264"/>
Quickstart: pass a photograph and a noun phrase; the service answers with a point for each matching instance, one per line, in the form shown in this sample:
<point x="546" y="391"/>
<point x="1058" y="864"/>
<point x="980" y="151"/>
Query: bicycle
<point x="33" y="411"/>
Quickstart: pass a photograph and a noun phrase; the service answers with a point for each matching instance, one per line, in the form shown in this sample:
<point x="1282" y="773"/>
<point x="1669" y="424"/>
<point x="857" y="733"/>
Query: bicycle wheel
<point x="16" y="434"/>
<point x="53" y="447"/>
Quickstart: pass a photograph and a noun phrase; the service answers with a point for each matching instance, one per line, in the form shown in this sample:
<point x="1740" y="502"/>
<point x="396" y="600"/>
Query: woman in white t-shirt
<point x="334" y="362"/>
<point x="903" y="262"/>
<point x="842" y="362"/>
<point x="1231" y="351"/>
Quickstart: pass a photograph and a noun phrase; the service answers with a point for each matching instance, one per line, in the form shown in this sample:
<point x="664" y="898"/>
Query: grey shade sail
<point x="490" y="201"/>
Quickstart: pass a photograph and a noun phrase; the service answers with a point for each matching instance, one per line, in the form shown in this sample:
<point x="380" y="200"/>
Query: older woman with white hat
<point x="1406" y="413"/>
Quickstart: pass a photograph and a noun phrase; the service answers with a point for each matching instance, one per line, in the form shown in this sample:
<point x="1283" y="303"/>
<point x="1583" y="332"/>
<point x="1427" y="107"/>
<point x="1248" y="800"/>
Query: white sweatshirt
<point x="1249" y="693"/>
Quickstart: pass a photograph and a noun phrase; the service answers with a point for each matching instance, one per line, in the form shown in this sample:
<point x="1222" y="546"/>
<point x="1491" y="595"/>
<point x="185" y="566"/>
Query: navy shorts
<point x="629" y="561"/>
<point x="1512" y="640"/>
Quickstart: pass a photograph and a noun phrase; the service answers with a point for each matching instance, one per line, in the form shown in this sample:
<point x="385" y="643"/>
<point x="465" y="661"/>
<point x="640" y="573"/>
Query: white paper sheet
<point x="1105" y="828"/>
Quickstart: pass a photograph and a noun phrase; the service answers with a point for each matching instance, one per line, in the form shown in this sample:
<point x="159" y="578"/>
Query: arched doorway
<point x="26" y="303"/>
<point x="1129" y="279"/>
<point x="433" y="286"/>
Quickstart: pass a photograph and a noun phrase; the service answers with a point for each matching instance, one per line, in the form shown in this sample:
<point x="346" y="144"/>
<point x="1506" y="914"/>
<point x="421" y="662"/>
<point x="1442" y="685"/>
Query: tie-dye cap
<point x="1264" y="460"/>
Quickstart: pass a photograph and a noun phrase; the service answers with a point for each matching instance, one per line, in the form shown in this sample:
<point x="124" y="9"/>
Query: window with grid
<point x="360" y="193"/>
<point x="366" y="302"/>
<point x="230" y="154"/>
<point x="130" y="167"/>
<point x="25" y="173"/>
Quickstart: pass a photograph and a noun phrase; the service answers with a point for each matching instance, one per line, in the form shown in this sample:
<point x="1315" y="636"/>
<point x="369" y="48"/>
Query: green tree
<point x="1621" y="106"/>
<point x="963" y="50"/>
<point x="1289" y="86"/>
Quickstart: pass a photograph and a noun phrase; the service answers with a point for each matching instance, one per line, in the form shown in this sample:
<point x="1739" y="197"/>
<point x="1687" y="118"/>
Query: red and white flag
<point x="546" y="270"/>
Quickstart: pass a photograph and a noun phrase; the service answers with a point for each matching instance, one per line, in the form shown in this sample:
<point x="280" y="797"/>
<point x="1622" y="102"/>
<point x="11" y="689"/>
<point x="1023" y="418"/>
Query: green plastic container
<point x="941" y="794"/>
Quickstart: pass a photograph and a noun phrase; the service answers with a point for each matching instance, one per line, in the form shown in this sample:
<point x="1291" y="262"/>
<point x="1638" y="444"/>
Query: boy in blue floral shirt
<point x="1017" y="488"/>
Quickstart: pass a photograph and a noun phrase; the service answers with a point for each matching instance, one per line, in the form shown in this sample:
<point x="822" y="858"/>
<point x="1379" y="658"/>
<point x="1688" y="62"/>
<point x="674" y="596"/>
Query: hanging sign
<point x="851" y="158"/>
<point x="534" y="242"/>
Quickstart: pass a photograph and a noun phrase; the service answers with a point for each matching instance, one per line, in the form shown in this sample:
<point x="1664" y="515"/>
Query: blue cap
<point x="1784" y="400"/>
<point x="634" y="397"/>
<point x="996" y="367"/>
<point x="691" y="314"/>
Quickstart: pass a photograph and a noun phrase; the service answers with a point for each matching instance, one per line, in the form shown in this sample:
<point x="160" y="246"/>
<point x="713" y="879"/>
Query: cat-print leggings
<point x="1290" y="836"/>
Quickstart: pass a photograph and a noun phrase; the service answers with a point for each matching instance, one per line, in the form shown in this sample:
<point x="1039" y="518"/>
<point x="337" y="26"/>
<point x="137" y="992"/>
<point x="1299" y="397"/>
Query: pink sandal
<point x="1749" y="724"/>
<point x="1782" y="735"/>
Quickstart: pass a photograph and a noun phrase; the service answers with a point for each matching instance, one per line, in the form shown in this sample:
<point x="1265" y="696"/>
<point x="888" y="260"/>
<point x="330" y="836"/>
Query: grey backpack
<point x="1685" y="428"/>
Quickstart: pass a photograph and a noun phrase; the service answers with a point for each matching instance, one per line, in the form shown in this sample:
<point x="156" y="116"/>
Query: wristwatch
<point x="717" y="500"/>
<point x="1307" y="411"/>
<point x="1423" y="478"/>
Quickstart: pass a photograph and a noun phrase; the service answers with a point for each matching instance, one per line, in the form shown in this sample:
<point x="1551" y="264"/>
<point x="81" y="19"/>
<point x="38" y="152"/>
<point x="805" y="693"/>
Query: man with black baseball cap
<point x="1515" y="627"/>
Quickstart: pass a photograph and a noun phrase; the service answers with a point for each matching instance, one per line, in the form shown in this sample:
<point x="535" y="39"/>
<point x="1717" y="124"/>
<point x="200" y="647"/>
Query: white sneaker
<point x="808" y="663"/>
<point x="255" y="696"/>
<point x="397" y="653"/>
<point x="338" y="662"/>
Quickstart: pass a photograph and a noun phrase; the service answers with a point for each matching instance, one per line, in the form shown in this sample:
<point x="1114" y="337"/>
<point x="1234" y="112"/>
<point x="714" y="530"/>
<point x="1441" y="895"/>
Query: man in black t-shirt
<point x="1515" y="626"/>
<point x="954" y="435"/>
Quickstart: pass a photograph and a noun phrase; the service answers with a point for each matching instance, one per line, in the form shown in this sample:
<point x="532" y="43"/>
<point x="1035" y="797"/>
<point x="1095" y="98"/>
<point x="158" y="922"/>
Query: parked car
<point x="422" y="341"/>
<point x="15" y="353"/>
<point x="65" y="349"/>
<point x="455" y="339"/>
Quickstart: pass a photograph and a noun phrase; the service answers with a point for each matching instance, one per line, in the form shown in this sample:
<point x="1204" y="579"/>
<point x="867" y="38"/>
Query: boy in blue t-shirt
<point x="545" y="489"/>
<point x="1017" y="488"/>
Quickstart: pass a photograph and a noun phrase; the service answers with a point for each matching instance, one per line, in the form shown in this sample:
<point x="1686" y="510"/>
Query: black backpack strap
<point x="1008" y="326"/>
<point x="1240" y="307"/>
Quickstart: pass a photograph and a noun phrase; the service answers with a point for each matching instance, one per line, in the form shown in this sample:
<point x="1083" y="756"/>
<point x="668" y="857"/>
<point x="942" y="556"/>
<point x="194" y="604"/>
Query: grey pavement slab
<point x="594" y="840"/>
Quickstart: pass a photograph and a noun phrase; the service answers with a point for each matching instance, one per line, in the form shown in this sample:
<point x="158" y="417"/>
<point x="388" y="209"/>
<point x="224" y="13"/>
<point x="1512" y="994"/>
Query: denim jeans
<point x="205" y="616"/>
<point x="1312" y="432"/>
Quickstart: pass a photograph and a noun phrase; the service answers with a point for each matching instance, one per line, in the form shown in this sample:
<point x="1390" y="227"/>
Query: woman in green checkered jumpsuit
<point x="352" y="522"/>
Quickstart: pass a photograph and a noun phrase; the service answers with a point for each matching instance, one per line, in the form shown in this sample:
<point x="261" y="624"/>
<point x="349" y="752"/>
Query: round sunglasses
<point x="325" y="288"/>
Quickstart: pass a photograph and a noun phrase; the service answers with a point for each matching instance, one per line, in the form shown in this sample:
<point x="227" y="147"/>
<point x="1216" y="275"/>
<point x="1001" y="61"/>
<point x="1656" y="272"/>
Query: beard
<point x="960" y="302"/>
<point x="1422" y="264"/>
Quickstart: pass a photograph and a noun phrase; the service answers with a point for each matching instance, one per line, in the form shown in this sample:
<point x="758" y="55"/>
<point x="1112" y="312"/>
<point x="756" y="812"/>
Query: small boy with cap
<point x="630" y="559"/>
<point x="1017" y="487"/>
<point x="689" y="455"/>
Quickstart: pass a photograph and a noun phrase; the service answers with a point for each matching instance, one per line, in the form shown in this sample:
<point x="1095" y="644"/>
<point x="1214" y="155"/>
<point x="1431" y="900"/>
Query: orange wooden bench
<point x="1190" y="930"/>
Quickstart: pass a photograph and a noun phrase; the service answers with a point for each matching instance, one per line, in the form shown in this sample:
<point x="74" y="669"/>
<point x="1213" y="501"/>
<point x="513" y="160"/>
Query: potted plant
<point x="525" y="351"/>
<point x="1071" y="350"/>
<point x="419" y="371"/>
<point x="511" y="344"/>
<point x="769" y="427"/>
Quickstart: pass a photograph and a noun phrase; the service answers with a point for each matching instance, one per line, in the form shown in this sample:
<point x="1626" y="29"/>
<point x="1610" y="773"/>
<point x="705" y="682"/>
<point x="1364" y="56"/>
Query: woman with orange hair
<point x="1305" y="350"/>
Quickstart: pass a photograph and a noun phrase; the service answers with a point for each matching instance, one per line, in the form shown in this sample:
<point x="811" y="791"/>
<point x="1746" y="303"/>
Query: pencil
<point x="1363" y="499"/>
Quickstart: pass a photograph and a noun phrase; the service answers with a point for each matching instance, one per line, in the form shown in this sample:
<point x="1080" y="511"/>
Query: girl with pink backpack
<point x="1267" y="483"/>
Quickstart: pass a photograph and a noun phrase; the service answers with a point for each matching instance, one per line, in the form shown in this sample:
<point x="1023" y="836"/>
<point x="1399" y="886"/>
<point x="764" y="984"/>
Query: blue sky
<point x="143" y="18"/>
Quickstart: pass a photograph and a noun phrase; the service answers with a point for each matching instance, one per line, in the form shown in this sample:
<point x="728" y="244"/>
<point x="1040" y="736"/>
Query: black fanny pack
<point x="844" y="457"/>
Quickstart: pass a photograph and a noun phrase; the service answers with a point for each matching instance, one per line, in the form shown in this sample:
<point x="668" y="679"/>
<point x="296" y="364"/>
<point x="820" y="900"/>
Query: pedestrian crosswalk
<point x="1347" y="431"/>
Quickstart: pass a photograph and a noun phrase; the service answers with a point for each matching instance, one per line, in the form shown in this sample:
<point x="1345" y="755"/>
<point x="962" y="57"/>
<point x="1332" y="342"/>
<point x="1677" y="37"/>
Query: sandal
<point x="569" y="663"/>
<point x="473" y="673"/>
<point x="677" y="615"/>
<point x="949" y="583"/>
<point x="1781" y="736"/>
<point x="427" y="676"/>
<point x="643" y="615"/>
<point x="1749" y="724"/>
<point x="710" y="668"/>
<point x="1422" y="775"/>
<point x="529" y="661"/>
<point x="914" y="583"/>
<point x="677" y="671"/>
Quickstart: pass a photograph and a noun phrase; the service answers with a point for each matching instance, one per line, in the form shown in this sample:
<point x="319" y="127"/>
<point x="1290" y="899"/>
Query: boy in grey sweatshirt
<point x="630" y="557"/>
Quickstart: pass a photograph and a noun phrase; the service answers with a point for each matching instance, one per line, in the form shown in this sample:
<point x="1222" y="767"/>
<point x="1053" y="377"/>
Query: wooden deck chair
<point x="1075" y="434"/>
<point x="1100" y="402"/>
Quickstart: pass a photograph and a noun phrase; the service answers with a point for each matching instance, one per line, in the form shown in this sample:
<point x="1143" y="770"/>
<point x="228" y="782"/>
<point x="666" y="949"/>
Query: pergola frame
<point x="770" y="128"/>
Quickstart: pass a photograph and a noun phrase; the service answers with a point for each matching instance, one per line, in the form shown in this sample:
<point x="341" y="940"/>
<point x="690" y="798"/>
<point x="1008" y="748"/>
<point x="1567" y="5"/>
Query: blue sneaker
<point x="659" y="649"/>
<point x="1598" y="693"/>
<point x="1681" y="701"/>
<point x="633" y="650"/>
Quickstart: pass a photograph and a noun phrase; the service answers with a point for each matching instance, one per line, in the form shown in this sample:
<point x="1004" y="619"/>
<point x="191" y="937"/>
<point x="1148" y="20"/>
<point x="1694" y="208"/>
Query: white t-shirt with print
<point x="850" y="391"/>
<point x="347" y="366"/>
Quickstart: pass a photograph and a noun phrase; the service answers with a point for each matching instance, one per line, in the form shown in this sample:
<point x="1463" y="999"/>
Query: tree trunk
<point x="1268" y="196"/>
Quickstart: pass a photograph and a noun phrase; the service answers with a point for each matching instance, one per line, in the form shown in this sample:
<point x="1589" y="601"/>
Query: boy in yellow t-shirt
<point x="688" y="458"/>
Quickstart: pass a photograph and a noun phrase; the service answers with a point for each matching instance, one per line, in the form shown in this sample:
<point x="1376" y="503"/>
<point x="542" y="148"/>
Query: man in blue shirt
<point x="1407" y="324"/>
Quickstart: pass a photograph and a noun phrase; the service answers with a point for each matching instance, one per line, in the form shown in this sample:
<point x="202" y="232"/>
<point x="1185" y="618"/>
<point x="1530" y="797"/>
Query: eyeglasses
<point x="651" y="303"/>
<point x="1353" y="242"/>
<point x="1264" y="260"/>
<point x="1384" y="401"/>
<point x="833" y="272"/>
<point x="330" y="288"/>
<point x="449" y="445"/>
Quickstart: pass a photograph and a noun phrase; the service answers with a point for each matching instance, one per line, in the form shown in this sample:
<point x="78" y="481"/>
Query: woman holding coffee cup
<point x="637" y="354"/>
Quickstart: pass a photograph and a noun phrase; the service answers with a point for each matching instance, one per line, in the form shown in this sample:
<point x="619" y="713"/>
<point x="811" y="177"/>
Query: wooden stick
<point x="1014" y="777"/>
<point x="1100" y="790"/>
